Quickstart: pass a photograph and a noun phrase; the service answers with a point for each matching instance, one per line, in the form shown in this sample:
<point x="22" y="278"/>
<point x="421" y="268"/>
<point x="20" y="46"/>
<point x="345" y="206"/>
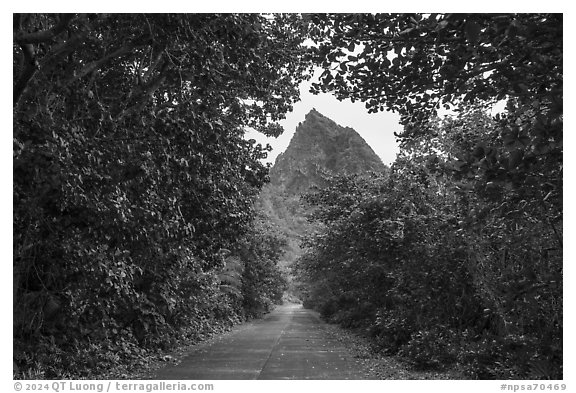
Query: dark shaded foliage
<point x="456" y="257"/>
<point x="437" y="271"/>
<point x="132" y="174"/>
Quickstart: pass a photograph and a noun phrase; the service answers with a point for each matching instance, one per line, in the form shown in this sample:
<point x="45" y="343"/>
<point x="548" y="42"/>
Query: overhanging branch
<point x="99" y="63"/>
<point x="46" y="35"/>
<point x="30" y="68"/>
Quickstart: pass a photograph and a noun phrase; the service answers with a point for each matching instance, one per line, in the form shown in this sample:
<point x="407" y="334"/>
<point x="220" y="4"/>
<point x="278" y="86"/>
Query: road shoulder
<point x="381" y="367"/>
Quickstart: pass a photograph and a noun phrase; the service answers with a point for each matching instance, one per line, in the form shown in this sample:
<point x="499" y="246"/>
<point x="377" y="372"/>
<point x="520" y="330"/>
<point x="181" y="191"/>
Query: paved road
<point x="289" y="343"/>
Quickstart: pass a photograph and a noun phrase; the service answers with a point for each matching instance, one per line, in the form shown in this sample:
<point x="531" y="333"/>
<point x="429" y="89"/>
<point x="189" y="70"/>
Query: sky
<point x="377" y="129"/>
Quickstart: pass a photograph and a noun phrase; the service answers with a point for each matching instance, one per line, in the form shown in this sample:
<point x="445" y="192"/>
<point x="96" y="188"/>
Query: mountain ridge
<point x="319" y="149"/>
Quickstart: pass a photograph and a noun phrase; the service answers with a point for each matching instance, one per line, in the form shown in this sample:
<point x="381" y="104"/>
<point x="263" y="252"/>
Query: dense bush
<point x="461" y="246"/>
<point x="132" y="174"/>
<point x="263" y="283"/>
<point x="438" y="267"/>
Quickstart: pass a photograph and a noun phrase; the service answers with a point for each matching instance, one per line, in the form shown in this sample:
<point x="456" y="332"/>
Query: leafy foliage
<point x="416" y="63"/>
<point x="433" y="266"/>
<point x="457" y="256"/>
<point x="131" y="174"/>
<point x="263" y="282"/>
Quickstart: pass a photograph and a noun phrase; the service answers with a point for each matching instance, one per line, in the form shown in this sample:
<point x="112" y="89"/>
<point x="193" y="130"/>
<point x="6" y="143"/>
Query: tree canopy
<point x="132" y="173"/>
<point x="456" y="256"/>
<point x="416" y="63"/>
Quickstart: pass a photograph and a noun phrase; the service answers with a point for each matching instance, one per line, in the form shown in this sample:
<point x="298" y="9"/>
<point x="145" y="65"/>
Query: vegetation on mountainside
<point x="456" y="256"/>
<point x="133" y="183"/>
<point x="319" y="149"/>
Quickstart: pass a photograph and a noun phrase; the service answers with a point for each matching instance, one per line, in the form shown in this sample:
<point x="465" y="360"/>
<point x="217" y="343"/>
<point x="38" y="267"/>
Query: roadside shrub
<point x="435" y="348"/>
<point x="391" y="331"/>
<point x="511" y="357"/>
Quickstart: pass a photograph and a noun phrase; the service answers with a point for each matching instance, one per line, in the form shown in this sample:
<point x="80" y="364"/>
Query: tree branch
<point x="145" y="92"/>
<point x="46" y="35"/>
<point x="32" y="64"/>
<point x="153" y="65"/>
<point x="99" y="63"/>
<point x="30" y="68"/>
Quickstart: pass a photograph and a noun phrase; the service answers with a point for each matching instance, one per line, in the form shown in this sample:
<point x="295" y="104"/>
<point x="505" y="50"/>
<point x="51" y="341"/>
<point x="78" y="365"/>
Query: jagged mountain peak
<point x="321" y="148"/>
